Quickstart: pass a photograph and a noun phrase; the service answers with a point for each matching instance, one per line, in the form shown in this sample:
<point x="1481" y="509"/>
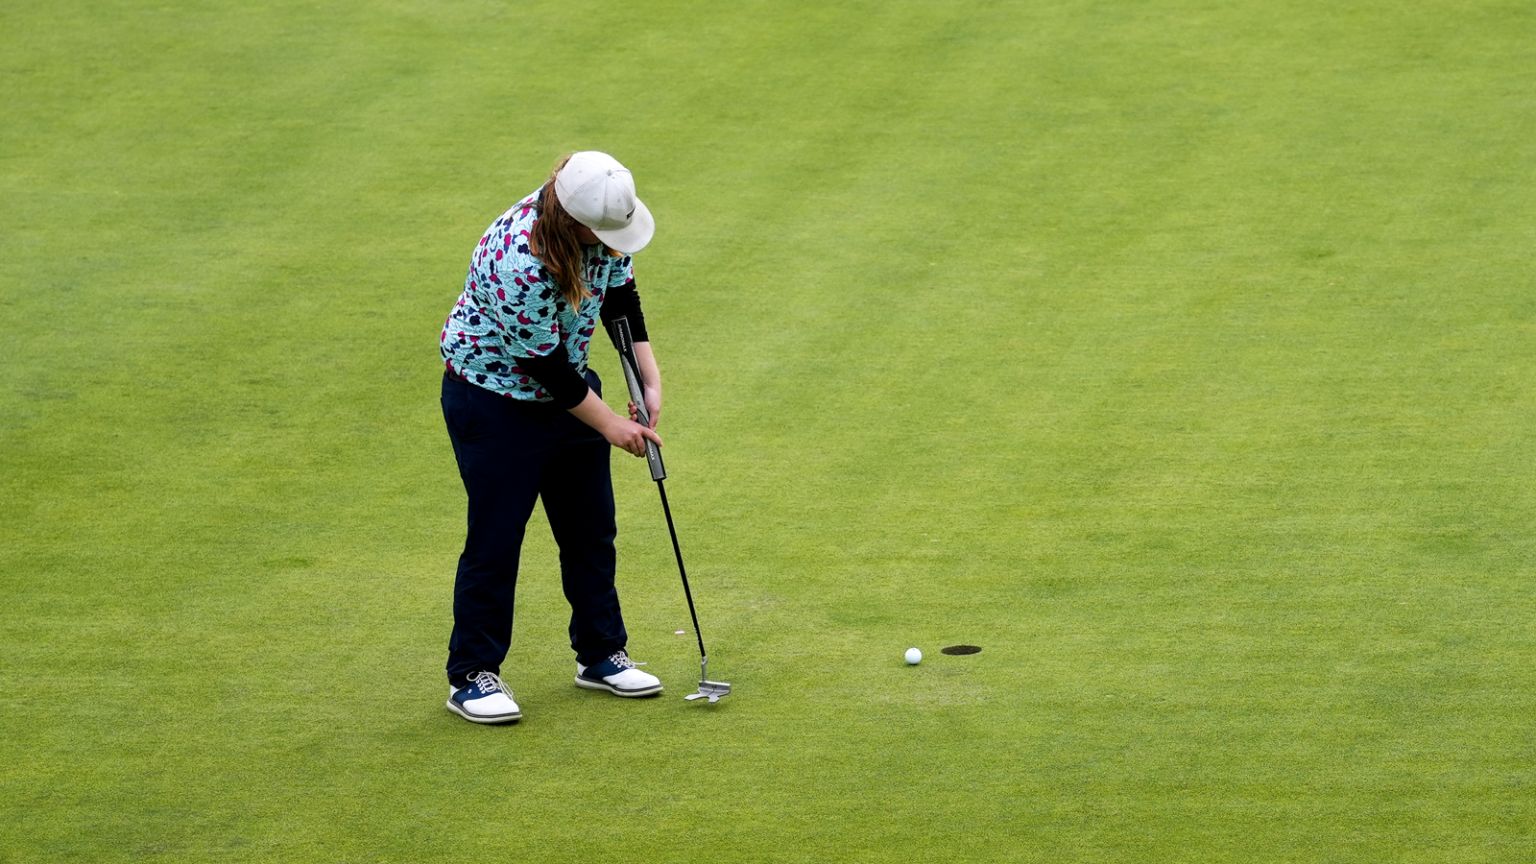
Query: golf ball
<point x="914" y="656"/>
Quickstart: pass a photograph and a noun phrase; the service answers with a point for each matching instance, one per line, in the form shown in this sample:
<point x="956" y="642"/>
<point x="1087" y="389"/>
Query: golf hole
<point x="961" y="649"/>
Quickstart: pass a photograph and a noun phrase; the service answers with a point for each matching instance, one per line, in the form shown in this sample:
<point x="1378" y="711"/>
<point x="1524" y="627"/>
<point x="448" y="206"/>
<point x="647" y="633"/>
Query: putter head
<point x="711" y="690"/>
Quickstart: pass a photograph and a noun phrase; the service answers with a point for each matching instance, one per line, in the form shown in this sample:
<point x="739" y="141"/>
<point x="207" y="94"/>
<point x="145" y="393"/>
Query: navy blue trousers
<point x="510" y="454"/>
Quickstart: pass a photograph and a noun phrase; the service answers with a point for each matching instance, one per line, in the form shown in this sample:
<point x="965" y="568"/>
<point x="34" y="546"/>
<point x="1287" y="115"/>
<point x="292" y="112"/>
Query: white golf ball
<point x="914" y="656"/>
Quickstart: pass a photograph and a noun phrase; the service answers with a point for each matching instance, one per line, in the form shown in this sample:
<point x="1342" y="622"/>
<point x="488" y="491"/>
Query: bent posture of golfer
<point x="527" y="421"/>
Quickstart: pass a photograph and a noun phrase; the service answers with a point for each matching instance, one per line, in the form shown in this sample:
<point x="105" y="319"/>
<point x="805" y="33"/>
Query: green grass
<point x="1178" y="353"/>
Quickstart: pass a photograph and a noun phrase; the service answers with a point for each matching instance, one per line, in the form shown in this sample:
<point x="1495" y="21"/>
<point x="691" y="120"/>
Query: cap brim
<point x="632" y="237"/>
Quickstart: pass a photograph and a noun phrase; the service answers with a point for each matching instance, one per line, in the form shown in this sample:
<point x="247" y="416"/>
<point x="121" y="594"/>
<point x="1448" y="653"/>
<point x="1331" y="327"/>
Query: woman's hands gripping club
<point x="621" y="432"/>
<point x="644" y="381"/>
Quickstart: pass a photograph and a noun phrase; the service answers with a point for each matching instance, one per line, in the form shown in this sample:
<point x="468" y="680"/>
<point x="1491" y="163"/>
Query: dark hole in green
<point x="961" y="649"/>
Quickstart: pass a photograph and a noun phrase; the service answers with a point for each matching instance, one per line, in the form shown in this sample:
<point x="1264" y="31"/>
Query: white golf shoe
<point x="485" y="700"/>
<point x="618" y="676"/>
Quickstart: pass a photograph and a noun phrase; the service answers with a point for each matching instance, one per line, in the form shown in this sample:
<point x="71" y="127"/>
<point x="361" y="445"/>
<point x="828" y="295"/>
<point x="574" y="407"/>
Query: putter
<point x="625" y="343"/>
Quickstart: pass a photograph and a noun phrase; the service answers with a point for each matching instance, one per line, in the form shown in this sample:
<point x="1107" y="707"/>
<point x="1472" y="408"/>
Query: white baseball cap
<point x="600" y="193"/>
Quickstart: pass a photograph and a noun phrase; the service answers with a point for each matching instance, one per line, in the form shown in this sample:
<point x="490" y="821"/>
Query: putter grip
<point x="624" y="342"/>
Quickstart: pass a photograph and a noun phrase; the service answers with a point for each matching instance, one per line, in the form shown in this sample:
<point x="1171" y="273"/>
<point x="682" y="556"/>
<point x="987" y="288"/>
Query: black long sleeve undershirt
<point x="556" y="375"/>
<point x="554" y="371"/>
<point x="624" y="302"/>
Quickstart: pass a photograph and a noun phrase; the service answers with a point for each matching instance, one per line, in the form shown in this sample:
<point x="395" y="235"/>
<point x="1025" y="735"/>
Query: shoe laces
<point x="489" y="683"/>
<point x="621" y="660"/>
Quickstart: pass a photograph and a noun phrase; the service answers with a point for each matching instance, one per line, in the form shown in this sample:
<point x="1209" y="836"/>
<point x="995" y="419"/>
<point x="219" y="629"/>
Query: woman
<point x="527" y="421"/>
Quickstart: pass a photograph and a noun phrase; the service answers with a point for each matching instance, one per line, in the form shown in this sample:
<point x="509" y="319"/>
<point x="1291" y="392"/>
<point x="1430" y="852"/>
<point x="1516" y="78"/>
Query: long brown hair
<point x="554" y="241"/>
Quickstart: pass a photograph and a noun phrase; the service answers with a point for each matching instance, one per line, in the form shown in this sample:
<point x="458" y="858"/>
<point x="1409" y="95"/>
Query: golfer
<point x="527" y="421"/>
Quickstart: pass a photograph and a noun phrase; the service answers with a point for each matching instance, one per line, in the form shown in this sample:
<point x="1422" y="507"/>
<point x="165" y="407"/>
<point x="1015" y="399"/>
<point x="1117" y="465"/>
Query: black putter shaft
<point x="662" y="488"/>
<point x="625" y="343"/>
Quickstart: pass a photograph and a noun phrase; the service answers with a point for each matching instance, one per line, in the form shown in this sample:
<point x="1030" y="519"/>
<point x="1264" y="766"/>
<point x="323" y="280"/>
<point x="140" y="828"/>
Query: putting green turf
<point x="1178" y="353"/>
